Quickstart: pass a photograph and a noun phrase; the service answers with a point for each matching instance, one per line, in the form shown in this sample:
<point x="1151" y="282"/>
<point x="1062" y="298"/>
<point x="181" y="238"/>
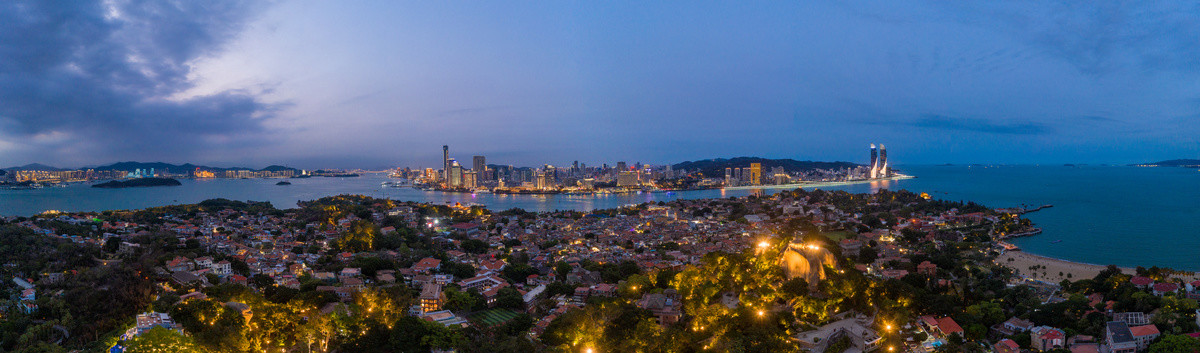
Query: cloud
<point x="1100" y="37"/>
<point x="942" y="122"/>
<point x="99" y="76"/>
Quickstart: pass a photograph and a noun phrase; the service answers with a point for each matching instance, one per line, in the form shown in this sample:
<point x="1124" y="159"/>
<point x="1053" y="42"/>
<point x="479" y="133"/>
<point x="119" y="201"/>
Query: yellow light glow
<point x="760" y="313"/>
<point x="763" y="244"/>
<point x="589" y="350"/>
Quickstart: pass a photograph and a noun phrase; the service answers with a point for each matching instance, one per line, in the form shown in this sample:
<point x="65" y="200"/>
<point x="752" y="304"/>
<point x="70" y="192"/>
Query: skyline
<point x="371" y="85"/>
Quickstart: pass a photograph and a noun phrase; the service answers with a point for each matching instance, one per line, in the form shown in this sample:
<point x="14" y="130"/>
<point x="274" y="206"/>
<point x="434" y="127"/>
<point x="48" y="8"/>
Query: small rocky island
<point x="283" y="183"/>
<point x="138" y="183"/>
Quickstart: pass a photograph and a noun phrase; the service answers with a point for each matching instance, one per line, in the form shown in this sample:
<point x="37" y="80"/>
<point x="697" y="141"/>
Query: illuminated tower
<point x="728" y="176"/>
<point x="883" y="165"/>
<point x="445" y="162"/>
<point x="755" y="173"/>
<point x="874" y="162"/>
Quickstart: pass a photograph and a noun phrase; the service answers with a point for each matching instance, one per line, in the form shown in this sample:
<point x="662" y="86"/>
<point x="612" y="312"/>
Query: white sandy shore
<point x="1051" y="267"/>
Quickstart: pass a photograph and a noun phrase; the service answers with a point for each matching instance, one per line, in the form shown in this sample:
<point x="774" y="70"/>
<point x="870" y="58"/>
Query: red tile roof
<point x="1141" y="281"/>
<point x="1165" y="287"/>
<point x="948" y="326"/>
<point x="1144" y="330"/>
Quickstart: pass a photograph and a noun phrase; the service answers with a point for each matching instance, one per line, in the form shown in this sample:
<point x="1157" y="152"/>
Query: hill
<point x="37" y="166"/>
<point x="1177" y="163"/>
<point x="715" y="168"/>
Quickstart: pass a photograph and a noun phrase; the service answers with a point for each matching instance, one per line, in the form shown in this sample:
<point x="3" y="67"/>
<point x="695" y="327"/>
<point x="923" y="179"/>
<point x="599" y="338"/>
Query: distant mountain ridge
<point x="158" y="166"/>
<point x="36" y="166"/>
<point x="715" y="168"/>
<point x="1177" y="163"/>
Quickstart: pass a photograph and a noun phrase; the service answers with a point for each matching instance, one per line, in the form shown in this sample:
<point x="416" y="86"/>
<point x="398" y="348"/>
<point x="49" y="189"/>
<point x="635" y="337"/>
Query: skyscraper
<point x="883" y="164"/>
<point x="445" y="162"/>
<point x="755" y="173"/>
<point x="874" y="171"/>
<point x="620" y="166"/>
<point x="479" y="166"/>
<point x="455" y="177"/>
<point x="728" y="176"/>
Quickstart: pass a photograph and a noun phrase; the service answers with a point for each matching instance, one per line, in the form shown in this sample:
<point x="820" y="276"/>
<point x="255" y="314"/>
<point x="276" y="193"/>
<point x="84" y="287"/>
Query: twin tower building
<point x="879" y="165"/>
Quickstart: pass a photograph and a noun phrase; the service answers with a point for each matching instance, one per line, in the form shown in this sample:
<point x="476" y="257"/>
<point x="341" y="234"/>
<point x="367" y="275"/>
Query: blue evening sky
<point x="386" y="83"/>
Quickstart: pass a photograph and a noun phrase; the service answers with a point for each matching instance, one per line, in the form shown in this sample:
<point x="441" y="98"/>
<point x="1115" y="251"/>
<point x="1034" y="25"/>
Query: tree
<point x="1175" y="344"/>
<point x="509" y="298"/>
<point x="562" y="269"/>
<point x="261" y="280"/>
<point x="160" y="339"/>
<point x="112" y="244"/>
<point x="474" y="246"/>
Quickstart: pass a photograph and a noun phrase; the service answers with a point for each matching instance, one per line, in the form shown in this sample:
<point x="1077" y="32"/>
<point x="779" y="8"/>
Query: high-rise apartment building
<point x="873" y="172"/>
<point x="883" y="162"/>
<point x="445" y="162"/>
<point x="755" y="173"/>
<point x="478" y="164"/>
<point x="627" y="179"/>
<point x="455" y="179"/>
<point x="470" y="179"/>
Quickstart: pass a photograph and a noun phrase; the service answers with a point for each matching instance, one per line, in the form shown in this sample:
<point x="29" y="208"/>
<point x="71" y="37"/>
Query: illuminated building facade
<point x="883" y="162"/>
<point x="755" y="173"/>
<point x="874" y="171"/>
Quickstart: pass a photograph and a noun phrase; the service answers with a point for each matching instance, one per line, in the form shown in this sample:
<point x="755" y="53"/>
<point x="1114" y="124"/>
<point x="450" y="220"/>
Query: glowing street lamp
<point x="760" y="313"/>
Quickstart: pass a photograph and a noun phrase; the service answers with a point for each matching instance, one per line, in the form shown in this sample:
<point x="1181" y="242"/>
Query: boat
<point x="1056" y="241"/>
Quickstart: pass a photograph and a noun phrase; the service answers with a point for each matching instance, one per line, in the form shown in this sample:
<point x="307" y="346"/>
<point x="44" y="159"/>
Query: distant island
<point x="283" y="183"/>
<point x="715" y="168"/>
<point x="1189" y="163"/>
<point x="138" y="183"/>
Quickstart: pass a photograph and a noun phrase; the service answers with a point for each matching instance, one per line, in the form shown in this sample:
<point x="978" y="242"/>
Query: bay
<point x="1126" y="216"/>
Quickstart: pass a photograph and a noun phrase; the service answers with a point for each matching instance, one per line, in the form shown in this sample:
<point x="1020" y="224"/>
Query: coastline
<point x="818" y="184"/>
<point x="1051" y="267"/>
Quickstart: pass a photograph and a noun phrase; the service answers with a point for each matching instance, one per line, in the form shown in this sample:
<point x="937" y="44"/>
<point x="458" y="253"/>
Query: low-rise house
<point x="1163" y="288"/>
<point x="1006" y="346"/>
<point x="1045" y="338"/>
<point x="431" y="298"/>
<point x="150" y="320"/>
<point x="426" y="265"/>
<point x="666" y="307"/>
<point x="222" y="268"/>
<point x="1013" y="326"/>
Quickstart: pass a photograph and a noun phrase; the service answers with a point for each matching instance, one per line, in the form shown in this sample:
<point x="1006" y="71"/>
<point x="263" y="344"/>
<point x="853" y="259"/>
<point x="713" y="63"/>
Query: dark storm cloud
<point x="97" y="74"/>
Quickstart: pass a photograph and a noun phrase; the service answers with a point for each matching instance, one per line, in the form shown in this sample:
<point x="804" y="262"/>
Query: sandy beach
<point x="1051" y="267"/>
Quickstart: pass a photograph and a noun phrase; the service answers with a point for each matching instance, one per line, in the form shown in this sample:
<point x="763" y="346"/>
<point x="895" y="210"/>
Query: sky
<point x="373" y="84"/>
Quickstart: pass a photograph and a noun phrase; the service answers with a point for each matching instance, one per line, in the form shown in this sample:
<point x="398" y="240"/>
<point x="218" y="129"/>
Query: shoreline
<point x="818" y="184"/>
<point x="1051" y="267"/>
